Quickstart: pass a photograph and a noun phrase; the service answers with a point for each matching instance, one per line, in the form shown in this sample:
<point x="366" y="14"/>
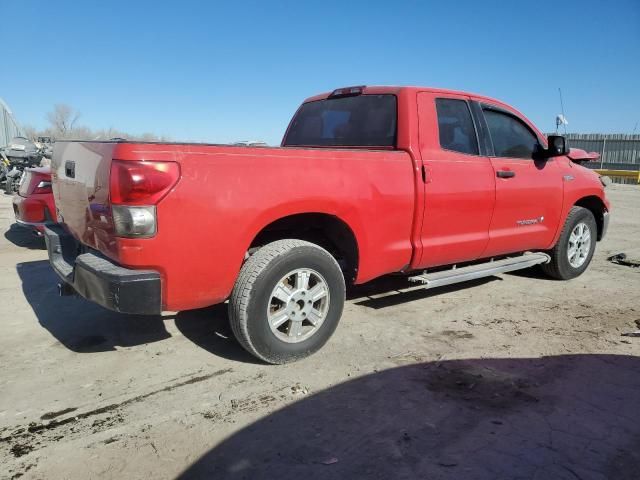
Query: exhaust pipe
<point x="66" y="290"/>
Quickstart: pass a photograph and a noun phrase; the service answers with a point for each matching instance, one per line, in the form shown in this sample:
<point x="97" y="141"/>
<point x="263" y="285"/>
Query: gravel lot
<point x="516" y="376"/>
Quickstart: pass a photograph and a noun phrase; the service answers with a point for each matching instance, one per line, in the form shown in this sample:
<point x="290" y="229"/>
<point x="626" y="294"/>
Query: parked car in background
<point x="440" y="185"/>
<point x="19" y="155"/>
<point x="46" y="144"/>
<point x="33" y="205"/>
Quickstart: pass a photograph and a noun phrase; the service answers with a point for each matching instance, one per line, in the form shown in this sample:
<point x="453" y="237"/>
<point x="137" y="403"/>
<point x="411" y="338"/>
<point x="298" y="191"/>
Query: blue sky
<point x="224" y="71"/>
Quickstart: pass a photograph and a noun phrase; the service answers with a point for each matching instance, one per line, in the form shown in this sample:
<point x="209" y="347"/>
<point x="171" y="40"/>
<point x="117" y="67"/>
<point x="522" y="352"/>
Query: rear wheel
<point x="287" y="301"/>
<point x="573" y="252"/>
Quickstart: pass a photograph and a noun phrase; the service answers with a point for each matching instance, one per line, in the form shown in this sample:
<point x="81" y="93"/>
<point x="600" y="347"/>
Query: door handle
<point x="426" y="174"/>
<point x="505" y="174"/>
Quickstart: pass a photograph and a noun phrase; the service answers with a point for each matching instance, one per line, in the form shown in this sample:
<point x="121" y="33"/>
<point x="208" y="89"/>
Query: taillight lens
<point x="134" y="222"/>
<point x="141" y="183"/>
<point x="43" y="187"/>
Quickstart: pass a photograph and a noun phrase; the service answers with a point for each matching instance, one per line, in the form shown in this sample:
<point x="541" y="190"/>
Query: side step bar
<point x="480" y="270"/>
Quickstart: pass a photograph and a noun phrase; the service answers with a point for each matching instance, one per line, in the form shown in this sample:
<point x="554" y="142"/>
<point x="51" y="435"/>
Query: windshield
<point x="360" y="121"/>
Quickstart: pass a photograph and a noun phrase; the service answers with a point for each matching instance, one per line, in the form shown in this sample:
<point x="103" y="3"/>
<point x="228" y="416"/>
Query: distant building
<point x="9" y="128"/>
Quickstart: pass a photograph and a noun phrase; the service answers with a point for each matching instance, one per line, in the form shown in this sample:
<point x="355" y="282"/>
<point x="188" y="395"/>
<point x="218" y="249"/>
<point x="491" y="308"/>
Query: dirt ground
<point x="516" y="376"/>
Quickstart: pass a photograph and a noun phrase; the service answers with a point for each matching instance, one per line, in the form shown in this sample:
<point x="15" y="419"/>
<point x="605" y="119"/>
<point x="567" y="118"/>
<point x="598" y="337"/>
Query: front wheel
<point x="573" y="252"/>
<point x="287" y="301"/>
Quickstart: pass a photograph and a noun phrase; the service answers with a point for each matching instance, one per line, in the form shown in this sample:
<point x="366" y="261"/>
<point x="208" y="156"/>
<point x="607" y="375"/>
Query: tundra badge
<point x="530" y="221"/>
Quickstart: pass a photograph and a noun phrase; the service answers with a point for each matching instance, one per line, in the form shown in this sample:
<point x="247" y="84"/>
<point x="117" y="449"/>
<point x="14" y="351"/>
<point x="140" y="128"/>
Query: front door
<point x="528" y="191"/>
<point x="459" y="182"/>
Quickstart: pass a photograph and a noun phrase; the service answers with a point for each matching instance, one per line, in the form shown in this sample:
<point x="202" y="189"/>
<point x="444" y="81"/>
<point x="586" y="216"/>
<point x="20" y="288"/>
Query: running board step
<point x="480" y="270"/>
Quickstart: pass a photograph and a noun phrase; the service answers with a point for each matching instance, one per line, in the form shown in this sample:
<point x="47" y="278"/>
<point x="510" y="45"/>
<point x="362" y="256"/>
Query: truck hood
<point x="578" y="155"/>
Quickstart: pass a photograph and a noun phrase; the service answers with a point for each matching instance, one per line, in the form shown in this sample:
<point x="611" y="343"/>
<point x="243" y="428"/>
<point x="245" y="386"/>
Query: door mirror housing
<point x="557" y="145"/>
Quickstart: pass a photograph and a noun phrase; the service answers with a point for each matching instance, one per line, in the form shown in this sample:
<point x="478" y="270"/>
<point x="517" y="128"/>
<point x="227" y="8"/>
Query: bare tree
<point x="30" y="132"/>
<point x="63" y="119"/>
<point x="63" y="125"/>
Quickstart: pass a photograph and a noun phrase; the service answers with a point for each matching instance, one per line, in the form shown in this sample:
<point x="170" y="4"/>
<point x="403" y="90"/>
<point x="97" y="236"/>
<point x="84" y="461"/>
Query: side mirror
<point x="558" y="145"/>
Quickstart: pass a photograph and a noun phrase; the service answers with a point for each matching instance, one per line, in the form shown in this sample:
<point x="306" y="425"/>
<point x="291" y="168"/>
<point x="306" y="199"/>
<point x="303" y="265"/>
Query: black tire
<point x="251" y="298"/>
<point x="559" y="267"/>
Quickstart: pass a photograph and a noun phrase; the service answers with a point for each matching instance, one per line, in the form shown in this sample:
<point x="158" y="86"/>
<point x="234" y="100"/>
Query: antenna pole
<point x="562" y="109"/>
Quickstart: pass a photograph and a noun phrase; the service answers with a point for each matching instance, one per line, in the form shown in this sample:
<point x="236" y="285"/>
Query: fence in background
<point x="617" y="151"/>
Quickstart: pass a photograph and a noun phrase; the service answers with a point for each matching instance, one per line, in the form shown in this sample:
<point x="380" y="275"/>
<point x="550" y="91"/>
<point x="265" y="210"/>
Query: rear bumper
<point x="100" y="280"/>
<point x="37" y="227"/>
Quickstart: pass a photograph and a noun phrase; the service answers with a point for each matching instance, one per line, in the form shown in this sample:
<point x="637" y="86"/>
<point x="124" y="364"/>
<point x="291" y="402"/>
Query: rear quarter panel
<point x="226" y="195"/>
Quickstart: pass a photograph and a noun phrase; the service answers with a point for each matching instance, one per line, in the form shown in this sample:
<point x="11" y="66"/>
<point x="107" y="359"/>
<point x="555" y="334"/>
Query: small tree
<point x="63" y="119"/>
<point x="30" y="132"/>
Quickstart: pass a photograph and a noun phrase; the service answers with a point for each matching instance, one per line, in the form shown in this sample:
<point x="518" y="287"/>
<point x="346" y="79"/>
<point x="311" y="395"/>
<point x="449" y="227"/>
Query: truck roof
<point x="395" y="90"/>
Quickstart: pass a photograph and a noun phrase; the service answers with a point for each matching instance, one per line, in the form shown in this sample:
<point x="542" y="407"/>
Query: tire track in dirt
<point x="26" y="438"/>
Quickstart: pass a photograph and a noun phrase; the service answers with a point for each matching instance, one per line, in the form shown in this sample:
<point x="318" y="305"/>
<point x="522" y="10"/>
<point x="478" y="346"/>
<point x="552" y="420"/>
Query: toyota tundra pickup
<point x="440" y="185"/>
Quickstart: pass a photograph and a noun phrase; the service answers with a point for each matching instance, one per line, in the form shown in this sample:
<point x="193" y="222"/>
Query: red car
<point x="33" y="205"/>
<point x="443" y="186"/>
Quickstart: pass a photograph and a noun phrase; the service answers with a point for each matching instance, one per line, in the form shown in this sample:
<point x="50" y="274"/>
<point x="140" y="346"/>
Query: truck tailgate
<point x="80" y="182"/>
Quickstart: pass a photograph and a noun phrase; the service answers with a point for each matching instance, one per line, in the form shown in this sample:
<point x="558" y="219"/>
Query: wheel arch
<point x="325" y="230"/>
<point x="597" y="207"/>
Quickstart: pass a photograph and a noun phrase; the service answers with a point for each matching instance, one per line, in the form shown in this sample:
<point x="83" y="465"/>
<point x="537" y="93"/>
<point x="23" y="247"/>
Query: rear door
<point x="459" y="182"/>
<point x="528" y="191"/>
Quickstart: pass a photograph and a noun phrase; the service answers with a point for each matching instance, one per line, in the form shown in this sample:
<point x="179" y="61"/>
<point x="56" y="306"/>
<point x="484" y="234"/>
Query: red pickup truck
<point x="441" y="185"/>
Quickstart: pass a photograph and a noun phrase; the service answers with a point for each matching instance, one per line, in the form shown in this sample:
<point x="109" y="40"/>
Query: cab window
<point x="511" y="137"/>
<point x="455" y="126"/>
<point x="358" y="121"/>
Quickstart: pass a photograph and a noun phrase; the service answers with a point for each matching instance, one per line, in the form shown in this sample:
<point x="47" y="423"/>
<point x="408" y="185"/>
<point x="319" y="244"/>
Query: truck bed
<point x="226" y="195"/>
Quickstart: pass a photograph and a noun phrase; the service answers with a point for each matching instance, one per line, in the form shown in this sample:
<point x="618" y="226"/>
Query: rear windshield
<point x="361" y="121"/>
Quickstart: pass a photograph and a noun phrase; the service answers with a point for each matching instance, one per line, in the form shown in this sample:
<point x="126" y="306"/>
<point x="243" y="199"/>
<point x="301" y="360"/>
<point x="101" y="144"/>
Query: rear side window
<point x="360" y="121"/>
<point x="511" y="137"/>
<point x="455" y="126"/>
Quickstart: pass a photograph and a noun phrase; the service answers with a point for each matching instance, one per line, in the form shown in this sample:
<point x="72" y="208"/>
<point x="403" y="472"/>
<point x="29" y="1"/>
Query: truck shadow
<point x="79" y="325"/>
<point x="560" y="417"/>
<point x="396" y="290"/>
<point x="84" y="327"/>
<point x="534" y="273"/>
<point x="23" y="237"/>
<point x="209" y="329"/>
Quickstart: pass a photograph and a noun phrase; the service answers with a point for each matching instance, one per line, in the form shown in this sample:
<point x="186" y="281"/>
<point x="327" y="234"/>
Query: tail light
<point x="43" y="186"/>
<point x="142" y="183"/>
<point x="134" y="222"/>
<point x="135" y="189"/>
